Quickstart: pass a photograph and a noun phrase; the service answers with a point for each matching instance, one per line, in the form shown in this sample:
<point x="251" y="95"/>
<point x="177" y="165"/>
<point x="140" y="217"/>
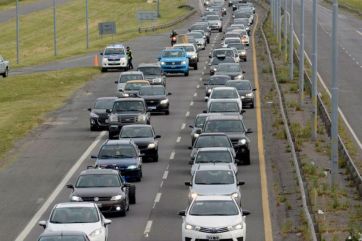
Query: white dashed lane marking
<point x="172" y="156"/>
<point x="183" y="126"/>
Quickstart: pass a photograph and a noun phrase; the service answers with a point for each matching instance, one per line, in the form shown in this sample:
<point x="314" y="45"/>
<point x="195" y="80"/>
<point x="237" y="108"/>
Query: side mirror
<point x="206" y="83"/>
<point x="70" y="186"/>
<point x="198" y="131"/>
<point x="191" y="162"/>
<point x="107" y="222"/>
<point x="246" y="213"/>
<point x="182" y="213"/>
<point x="241" y="183"/>
<point x="249" y="131"/>
<point x="101" y="53"/>
<point x="244" y="72"/>
<point x="127" y="184"/>
<point x="254" y="89"/>
<point x="158" y="58"/>
<point x="188" y="184"/>
<point x="191" y="126"/>
<point x="94" y="157"/>
<point x="206" y="98"/>
<point x="89" y="109"/>
<point x="242" y="111"/>
<point x="157" y="136"/>
<point x="108" y="111"/>
<point x="190" y="147"/>
<point x="43" y="223"/>
<point x="209" y="64"/>
<point x="204" y="111"/>
<point x="169" y="93"/>
<point x="210" y="56"/>
<point x="116" y="82"/>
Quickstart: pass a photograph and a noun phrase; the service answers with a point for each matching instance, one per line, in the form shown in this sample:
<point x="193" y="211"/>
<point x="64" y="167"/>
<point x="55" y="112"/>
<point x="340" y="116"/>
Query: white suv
<point x="114" y="57"/>
<point x="213" y="218"/>
<point x="4" y="67"/>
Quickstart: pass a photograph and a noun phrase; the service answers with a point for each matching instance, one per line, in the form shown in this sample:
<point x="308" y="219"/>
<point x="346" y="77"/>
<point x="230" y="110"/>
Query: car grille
<point x="174" y="63"/>
<point x="127" y="119"/>
<point x="214" y="230"/>
<point x="152" y="102"/>
<point x="142" y="146"/>
<point x="92" y="199"/>
<point x="102" y="118"/>
<point x="114" y="59"/>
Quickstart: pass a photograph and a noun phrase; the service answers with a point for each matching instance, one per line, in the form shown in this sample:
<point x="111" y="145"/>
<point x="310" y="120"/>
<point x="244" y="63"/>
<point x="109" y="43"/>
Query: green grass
<point x="355" y="4"/>
<point x="25" y="99"/>
<point x="36" y="29"/>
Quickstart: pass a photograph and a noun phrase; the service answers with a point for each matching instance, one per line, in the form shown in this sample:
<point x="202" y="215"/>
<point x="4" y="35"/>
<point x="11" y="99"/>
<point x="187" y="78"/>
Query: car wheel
<point x="195" y="66"/>
<point x="220" y="30"/>
<point x="93" y="128"/>
<point x="252" y="105"/>
<point x="103" y="70"/>
<point x="208" y="40"/>
<point x="187" y="73"/>
<point x="132" y="194"/>
<point x="155" y="158"/>
<point x="6" y="73"/>
<point x="167" y="112"/>
<point x="123" y="212"/>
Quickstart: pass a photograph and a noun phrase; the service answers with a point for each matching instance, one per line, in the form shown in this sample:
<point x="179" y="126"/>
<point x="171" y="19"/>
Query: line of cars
<point x="219" y="138"/>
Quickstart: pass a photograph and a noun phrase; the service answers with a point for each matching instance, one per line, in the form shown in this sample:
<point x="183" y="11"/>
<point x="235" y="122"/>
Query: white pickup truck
<point x="4" y="67"/>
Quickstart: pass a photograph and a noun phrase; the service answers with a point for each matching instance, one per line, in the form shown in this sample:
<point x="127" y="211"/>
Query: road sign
<point x="146" y="15"/>
<point x="107" y="28"/>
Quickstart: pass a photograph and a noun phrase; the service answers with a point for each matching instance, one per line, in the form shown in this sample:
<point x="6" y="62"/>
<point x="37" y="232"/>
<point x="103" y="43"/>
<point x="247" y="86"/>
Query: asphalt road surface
<point x="65" y="141"/>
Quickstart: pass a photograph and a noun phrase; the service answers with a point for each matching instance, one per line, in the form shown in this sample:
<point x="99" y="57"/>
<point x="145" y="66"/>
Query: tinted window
<point x="218" y="80"/>
<point x="195" y="34"/>
<point x="229" y="68"/>
<point x="240" y="85"/>
<point x="226" y="52"/>
<point x="150" y="70"/>
<point x="231" y="40"/>
<point x="224" y="126"/>
<point x="200" y="121"/>
<point x="63" y="238"/>
<point x="117" y="151"/>
<point x="120" y="106"/>
<point x="218" y="107"/>
<point x="214" y="177"/>
<point x="236" y="45"/>
<point x="136" y="132"/>
<point x="214" y="208"/>
<point x="134" y="86"/>
<point x="212" y="141"/>
<point x="216" y="61"/>
<point x="213" y="156"/>
<point x="104" y="104"/>
<point x="152" y="90"/>
<point x="172" y="54"/>
<point x="112" y="51"/>
<point x="74" y="215"/>
<point x="224" y="94"/>
<point x="98" y="180"/>
<point x="128" y="77"/>
<point x="211" y="17"/>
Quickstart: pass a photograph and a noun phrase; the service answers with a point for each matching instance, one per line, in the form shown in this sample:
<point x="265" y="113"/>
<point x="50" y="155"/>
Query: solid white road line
<point x="165" y="174"/>
<point x="183" y="126"/>
<point x="148" y="228"/>
<point x="172" y="156"/>
<point x="359" y="32"/>
<point x="158" y="197"/>
<point x="58" y="189"/>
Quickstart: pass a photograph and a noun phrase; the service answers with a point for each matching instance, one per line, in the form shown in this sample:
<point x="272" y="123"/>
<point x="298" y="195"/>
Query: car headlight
<point x="209" y="91"/>
<point x="141" y="118"/>
<point x="236" y="227"/>
<point x="94" y="115"/>
<point x="158" y="80"/>
<point x="240" y="76"/>
<point x="194" y="56"/>
<point x="165" y="101"/>
<point x="243" y="52"/>
<point x="105" y="60"/>
<point x="163" y="63"/>
<point x="183" y="62"/>
<point x="151" y="146"/>
<point x="113" y="118"/>
<point x="76" y="199"/>
<point x="235" y="195"/>
<point x="192" y="227"/>
<point x="131" y="167"/>
<point x="214" y="69"/>
<point x="250" y="94"/>
<point x="96" y="233"/>
<point x="196" y="135"/>
<point x="116" y="198"/>
<point x="193" y="195"/>
<point x="242" y="141"/>
<point x="125" y="95"/>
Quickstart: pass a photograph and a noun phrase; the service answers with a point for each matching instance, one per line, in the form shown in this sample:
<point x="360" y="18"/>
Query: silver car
<point x="200" y="40"/>
<point x="124" y="77"/>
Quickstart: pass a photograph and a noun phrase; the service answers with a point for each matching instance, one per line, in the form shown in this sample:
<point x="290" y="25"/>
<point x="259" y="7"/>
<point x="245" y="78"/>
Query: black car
<point x="198" y="125"/>
<point x="63" y="236"/>
<point x="126" y="111"/>
<point x="215" y="81"/>
<point x="156" y="99"/>
<point x="98" y="117"/>
<point x="232" y="69"/>
<point x="245" y="90"/>
<point x="153" y="73"/>
<point x="145" y="138"/>
<point x="215" y="61"/>
<point x="121" y="155"/>
<point x="106" y="188"/>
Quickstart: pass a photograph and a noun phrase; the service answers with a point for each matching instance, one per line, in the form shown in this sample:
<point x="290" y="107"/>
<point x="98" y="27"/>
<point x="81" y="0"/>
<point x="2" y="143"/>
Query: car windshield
<point x="134" y="86"/>
<point x="242" y="15"/>
<point x="214" y="208"/>
<point x="117" y="151"/>
<point x="216" y="61"/>
<point x="239" y="85"/>
<point x="212" y="17"/>
<point x="195" y="35"/>
<point x="218" y="80"/>
<point x="104" y="104"/>
<point x="197" y="27"/>
<point x="229" y="68"/>
<point x="213" y="156"/>
<point x="187" y="48"/>
<point x="63" y="238"/>
<point x="214" y="177"/>
<point x="172" y="54"/>
<point x="200" y="121"/>
<point x="212" y="141"/>
<point x="150" y="70"/>
<point x="152" y="90"/>
<point x="221" y="107"/>
<point x="114" y="51"/>
<point x="127" y="77"/>
<point x="224" y="126"/>
<point x="232" y="40"/>
<point x="74" y="215"/>
<point x="238" y="46"/>
<point x="232" y="35"/>
<point x="120" y="106"/>
<point x="224" y="94"/>
<point x="98" y="180"/>
<point x="136" y="132"/>
<point x="223" y="52"/>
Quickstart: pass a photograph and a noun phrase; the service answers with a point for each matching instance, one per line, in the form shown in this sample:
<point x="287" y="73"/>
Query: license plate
<point x="212" y="237"/>
<point x="152" y="107"/>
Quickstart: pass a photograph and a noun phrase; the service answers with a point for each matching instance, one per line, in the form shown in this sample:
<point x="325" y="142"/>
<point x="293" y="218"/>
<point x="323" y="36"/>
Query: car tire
<point x="123" y="212"/>
<point x="155" y="158"/>
<point x="6" y="73"/>
<point x="132" y="194"/>
<point x="220" y="30"/>
<point x="195" y="66"/>
<point x="93" y="128"/>
<point x="103" y="70"/>
<point x="167" y="112"/>
<point x="208" y="40"/>
<point x="247" y="159"/>
<point x="187" y="73"/>
<point x="252" y="105"/>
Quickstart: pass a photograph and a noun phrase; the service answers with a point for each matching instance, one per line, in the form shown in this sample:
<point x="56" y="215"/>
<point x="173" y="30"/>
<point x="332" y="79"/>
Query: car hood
<point x="153" y="97"/>
<point x="232" y="74"/>
<point x="99" y="111"/>
<point x="114" y="56"/>
<point x="129" y="113"/>
<point x="84" y="227"/>
<point x="214" y="221"/>
<point x="214" y="21"/>
<point x="235" y="135"/>
<point x="120" y="162"/>
<point x="97" y="192"/>
<point x="172" y="59"/>
<point x="140" y="141"/>
<point x="214" y="189"/>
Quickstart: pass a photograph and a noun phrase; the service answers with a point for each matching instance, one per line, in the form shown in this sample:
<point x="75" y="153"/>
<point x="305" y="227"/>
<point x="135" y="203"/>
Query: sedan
<point x="84" y="217"/>
<point x="214" y="62"/>
<point x="156" y="98"/>
<point x="224" y="106"/>
<point x="229" y="93"/>
<point x="215" y="81"/>
<point x="241" y="50"/>
<point x="98" y="117"/>
<point x="234" y="70"/>
<point x="245" y="90"/>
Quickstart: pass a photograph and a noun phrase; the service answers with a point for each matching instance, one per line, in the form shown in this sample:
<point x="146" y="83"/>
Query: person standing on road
<point x="130" y="57"/>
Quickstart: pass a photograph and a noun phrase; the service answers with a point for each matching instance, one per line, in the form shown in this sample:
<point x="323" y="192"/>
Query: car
<point x="126" y="111"/>
<point x="227" y="52"/>
<point x="245" y="40"/>
<point x="241" y="50"/>
<point x="202" y="32"/>
<point x="215" y="61"/>
<point x="114" y="57"/>
<point x="80" y="216"/>
<point x="153" y="73"/>
<point x="124" y="77"/>
<point x="215" y="81"/>
<point x="133" y="87"/>
<point x="232" y="34"/>
<point x="121" y="155"/>
<point x="63" y="236"/>
<point x="174" y="61"/>
<point x="234" y="70"/>
<point x="227" y="41"/>
<point x="191" y="52"/>
<point x="224" y="106"/>
<point x="213" y="155"/>
<point x="210" y="179"/>
<point x="106" y="188"/>
<point x="156" y="98"/>
<point x="198" y="124"/>
<point x="145" y="138"/>
<point x="4" y="67"/>
<point x="202" y="26"/>
<point x="215" y="22"/>
<point x="214" y="218"/>
<point x="245" y="90"/>
<point x="228" y="93"/>
<point x="199" y="37"/>
<point x="98" y="116"/>
<point x="233" y="126"/>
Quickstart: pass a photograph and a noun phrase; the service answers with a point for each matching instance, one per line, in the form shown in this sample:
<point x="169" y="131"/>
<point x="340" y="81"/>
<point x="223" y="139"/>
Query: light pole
<point x="158" y="8"/>
<point x="314" y="71"/>
<point x="55" y="27"/>
<point x="291" y="39"/>
<point x="285" y="35"/>
<point x="17" y="31"/>
<point x="87" y="23"/>
<point x="301" y="56"/>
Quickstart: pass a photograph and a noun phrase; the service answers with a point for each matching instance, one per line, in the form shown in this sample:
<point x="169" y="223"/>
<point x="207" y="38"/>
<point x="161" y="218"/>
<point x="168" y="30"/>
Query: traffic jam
<point x="219" y="137"/>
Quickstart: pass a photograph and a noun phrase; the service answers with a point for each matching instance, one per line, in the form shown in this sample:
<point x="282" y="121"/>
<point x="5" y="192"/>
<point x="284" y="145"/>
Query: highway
<point x="35" y="180"/>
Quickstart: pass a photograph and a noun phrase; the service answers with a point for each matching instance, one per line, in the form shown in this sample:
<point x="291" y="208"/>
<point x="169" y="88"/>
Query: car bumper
<point x="111" y="206"/>
<point x="158" y="108"/>
<point x="96" y="122"/>
<point x="191" y="235"/>
<point x="247" y="100"/>
<point x="175" y="69"/>
<point x="115" y="64"/>
<point x="192" y="61"/>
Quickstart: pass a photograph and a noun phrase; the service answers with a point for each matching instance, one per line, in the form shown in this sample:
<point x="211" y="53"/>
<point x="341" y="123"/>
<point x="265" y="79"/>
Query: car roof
<point x="225" y="117"/>
<point x="149" y="65"/>
<point x="98" y="171"/>
<point x="49" y="233"/>
<point x="137" y="81"/>
<point x="213" y="134"/>
<point x="130" y="99"/>
<point x="223" y="88"/>
<point x="214" y="198"/>
<point x="115" y="46"/>
<point x="107" y="98"/>
<point x="239" y="80"/>
<point x="137" y="126"/>
<point x="74" y="204"/>
<point x="131" y="72"/>
<point x="220" y="76"/>
<point x="212" y="166"/>
<point x="207" y="114"/>
<point x="212" y="149"/>
<point x="118" y="142"/>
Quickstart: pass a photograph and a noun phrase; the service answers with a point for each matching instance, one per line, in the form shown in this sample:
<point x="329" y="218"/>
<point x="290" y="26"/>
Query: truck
<point x="174" y="60"/>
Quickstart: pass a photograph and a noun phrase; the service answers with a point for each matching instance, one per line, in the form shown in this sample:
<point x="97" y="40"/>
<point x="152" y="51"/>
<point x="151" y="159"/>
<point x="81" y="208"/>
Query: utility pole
<point x="55" y="27"/>
<point x="291" y="39"/>
<point x="87" y="23"/>
<point x="158" y="8"/>
<point x="279" y="24"/>
<point x="301" y="56"/>
<point x="285" y="35"/>
<point x="17" y="31"/>
<point x="334" y="129"/>
<point x="314" y="71"/>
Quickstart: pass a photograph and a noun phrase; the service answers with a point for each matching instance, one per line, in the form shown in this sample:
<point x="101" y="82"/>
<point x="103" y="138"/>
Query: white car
<point x="229" y="93"/>
<point x="4" y="67"/>
<point x="224" y="106"/>
<point x="214" y="218"/>
<point x="212" y="179"/>
<point x="213" y="155"/>
<point x="230" y="40"/>
<point x="124" y="77"/>
<point x="84" y="217"/>
<point x="114" y="57"/>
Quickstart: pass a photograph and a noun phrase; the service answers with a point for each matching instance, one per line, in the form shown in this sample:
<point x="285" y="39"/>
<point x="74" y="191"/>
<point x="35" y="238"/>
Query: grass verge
<point x="24" y="100"/>
<point x="36" y="29"/>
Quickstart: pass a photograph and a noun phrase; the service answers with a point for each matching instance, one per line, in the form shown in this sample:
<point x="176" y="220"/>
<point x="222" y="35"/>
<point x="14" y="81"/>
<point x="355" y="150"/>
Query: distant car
<point x="4" y="67"/>
<point x="231" y="40"/>
<point x="153" y="73"/>
<point x="83" y="217"/>
<point x="98" y="116"/>
<point x="245" y="90"/>
<point x="202" y="26"/>
<point x="156" y="98"/>
<point x="198" y="124"/>
<point x="114" y="57"/>
<point x="214" y="22"/>
<point x="210" y="179"/>
<point x="215" y="81"/>
<point x="127" y="76"/>
<point x="234" y="70"/>
<point x="224" y="106"/>
<point x="106" y="188"/>
<point x="63" y="236"/>
<point x="228" y="93"/>
<point x="191" y="52"/>
<point x="241" y="50"/>
<point x="144" y="137"/>
<point x="227" y="52"/>
<point x="199" y="37"/>
<point x="121" y="155"/>
<point x="132" y="87"/>
<point x="174" y="61"/>
<point x="215" y="61"/>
